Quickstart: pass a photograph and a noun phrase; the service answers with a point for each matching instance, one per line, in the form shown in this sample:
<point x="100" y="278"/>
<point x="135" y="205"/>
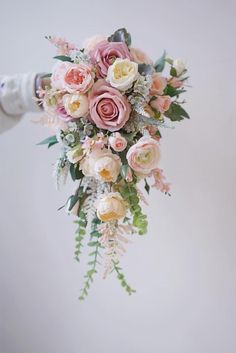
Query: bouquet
<point x="107" y="104"/>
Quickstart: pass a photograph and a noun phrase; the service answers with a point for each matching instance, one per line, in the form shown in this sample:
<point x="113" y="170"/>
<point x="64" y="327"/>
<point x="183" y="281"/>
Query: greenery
<point x="176" y="112"/>
<point x="121" y="35"/>
<point x="129" y="193"/>
<point x="80" y="233"/>
<point x="94" y="254"/>
<point x="160" y="63"/>
<point x="50" y="141"/>
<point x="63" y="58"/>
<point x="122" y="279"/>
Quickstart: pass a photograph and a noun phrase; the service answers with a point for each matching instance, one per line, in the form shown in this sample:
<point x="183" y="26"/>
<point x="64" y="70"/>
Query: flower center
<point x="74" y="106"/>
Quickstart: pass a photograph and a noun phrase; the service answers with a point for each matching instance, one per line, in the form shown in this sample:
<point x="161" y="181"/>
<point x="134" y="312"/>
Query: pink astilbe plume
<point x="63" y="46"/>
<point x="160" y="181"/>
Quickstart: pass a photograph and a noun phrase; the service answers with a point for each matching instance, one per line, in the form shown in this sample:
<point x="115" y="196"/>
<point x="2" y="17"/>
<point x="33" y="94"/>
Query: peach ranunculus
<point x="72" y="77"/>
<point x="90" y="43"/>
<point x="108" y="108"/>
<point x="111" y="207"/>
<point x="117" y="142"/>
<point x="79" y="77"/>
<point x="158" y="84"/>
<point x="105" y="53"/>
<point x="140" y="57"/>
<point x="161" y="103"/>
<point x="144" y="156"/>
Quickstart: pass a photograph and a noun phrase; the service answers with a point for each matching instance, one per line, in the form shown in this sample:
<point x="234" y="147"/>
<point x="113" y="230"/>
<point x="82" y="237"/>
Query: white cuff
<point x="17" y="93"/>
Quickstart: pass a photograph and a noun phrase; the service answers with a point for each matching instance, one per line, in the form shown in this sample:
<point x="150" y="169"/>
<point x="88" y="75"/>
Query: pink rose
<point x="140" y="57"/>
<point x="105" y="53"/>
<point x="109" y="109"/>
<point x="174" y="82"/>
<point x="117" y="142"/>
<point x="162" y="103"/>
<point x="158" y="84"/>
<point x="144" y="156"/>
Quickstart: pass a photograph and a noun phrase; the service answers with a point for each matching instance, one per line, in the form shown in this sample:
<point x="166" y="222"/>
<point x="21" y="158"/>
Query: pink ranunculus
<point x="58" y="73"/>
<point x="105" y="53"/>
<point x="174" y="82"/>
<point x="90" y="43"/>
<point x="108" y="108"/>
<point x="144" y="156"/>
<point x="158" y="84"/>
<point x="140" y="57"/>
<point x="162" y="103"/>
<point x="79" y="78"/>
<point x="117" y="142"/>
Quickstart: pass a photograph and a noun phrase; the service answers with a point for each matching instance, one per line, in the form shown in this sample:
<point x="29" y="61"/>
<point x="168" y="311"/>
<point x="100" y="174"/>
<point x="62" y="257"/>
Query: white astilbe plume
<point x="60" y="172"/>
<point x="113" y="240"/>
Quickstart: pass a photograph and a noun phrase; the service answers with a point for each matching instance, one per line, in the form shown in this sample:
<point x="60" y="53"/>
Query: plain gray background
<point x="184" y="269"/>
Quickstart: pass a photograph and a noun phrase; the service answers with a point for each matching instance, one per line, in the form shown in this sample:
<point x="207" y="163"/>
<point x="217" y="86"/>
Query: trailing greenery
<point x="94" y="254"/>
<point x="121" y="278"/>
<point x="80" y="233"/>
<point x="130" y="195"/>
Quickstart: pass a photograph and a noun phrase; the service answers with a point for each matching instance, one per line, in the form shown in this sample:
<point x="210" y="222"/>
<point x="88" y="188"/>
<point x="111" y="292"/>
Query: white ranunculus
<point x="122" y="73"/>
<point x="111" y="207"/>
<point x="179" y="66"/>
<point x="76" y="105"/>
<point x="101" y="164"/>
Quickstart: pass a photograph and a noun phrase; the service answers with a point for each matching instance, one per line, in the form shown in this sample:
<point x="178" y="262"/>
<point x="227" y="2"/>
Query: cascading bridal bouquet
<point x="107" y="103"/>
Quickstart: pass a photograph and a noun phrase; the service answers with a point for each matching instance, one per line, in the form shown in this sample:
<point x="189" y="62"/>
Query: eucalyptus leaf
<point x="160" y="63"/>
<point x="121" y="35"/>
<point x="145" y="69"/>
<point x="63" y="58"/>
<point x="50" y="141"/>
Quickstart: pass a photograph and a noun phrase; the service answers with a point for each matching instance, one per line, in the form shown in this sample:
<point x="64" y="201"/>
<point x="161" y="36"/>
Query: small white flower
<point x="122" y="73"/>
<point x="179" y="66"/>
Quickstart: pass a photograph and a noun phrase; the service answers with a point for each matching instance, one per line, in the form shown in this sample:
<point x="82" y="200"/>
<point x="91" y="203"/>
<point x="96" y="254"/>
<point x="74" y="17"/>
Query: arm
<point x="16" y="98"/>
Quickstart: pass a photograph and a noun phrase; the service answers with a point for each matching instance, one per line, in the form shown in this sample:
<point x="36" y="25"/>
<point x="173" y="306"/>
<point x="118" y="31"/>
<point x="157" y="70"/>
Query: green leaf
<point x="73" y="200"/>
<point x="124" y="170"/>
<point x="176" y="112"/>
<point x="51" y="140"/>
<point x="160" y="63"/>
<point x="172" y="91"/>
<point x="173" y="72"/>
<point x="75" y="172"/>
<point x="46" y="75"/>
<point x="63" y="58"/>
<point x="147" y="187"/>
<point x="121" y="35"/>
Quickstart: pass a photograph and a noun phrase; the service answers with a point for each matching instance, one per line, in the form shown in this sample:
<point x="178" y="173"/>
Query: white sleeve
<point x="16" y="98"/>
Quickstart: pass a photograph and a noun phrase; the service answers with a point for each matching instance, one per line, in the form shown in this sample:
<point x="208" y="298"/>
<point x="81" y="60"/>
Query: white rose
<point x="75" y="154"/>
<point x="101" y="164"/>
<point x="122" y="73"/>
<point x="111" y="207"/>
<point x="179" y="66"/>
<point x="76" y="105"/>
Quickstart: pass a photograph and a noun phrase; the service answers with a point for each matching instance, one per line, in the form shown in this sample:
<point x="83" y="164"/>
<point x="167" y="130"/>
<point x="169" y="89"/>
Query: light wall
<point x="184" y="269"/>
